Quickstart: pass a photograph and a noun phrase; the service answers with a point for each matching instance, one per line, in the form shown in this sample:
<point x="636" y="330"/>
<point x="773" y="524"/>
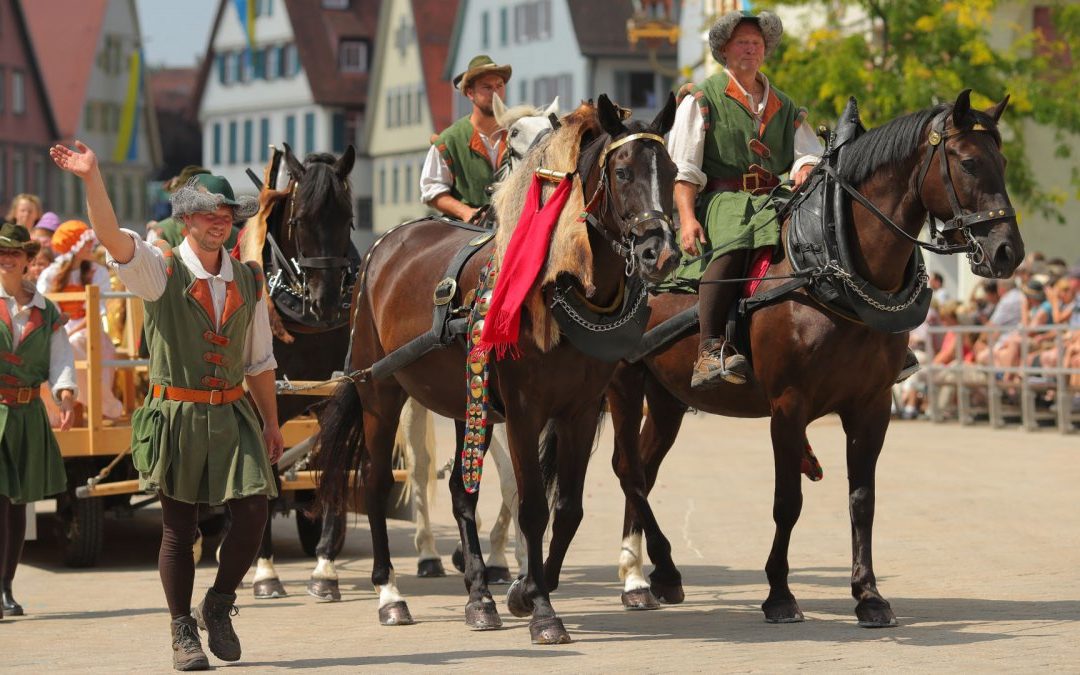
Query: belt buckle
<point x="746" y="182"/>
<point x="24" y="395"/>
<point x="217" y="396"/>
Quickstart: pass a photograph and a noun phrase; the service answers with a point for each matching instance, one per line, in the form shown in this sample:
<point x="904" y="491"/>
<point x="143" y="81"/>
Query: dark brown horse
<point x="393" y="305"/>
<point x="809" y="362"/>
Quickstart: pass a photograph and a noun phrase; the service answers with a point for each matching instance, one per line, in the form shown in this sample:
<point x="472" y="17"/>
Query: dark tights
<point x="718" y="297"/>
<point x="180" y="526"/>
<point x="12" y="535"/>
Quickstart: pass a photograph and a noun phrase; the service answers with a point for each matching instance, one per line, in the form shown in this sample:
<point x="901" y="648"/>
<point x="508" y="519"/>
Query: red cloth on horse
<point x="524" y="258"/>
<point x="760" y="262"/>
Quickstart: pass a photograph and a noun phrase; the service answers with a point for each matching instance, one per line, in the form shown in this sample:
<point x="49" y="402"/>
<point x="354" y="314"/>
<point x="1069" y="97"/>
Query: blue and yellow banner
<point x="127" y="139"/>
<point x="246" y="11"/>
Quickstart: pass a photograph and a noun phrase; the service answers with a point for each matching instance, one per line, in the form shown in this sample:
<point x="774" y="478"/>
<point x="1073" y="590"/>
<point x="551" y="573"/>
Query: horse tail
<point x="549" y="452"/>
<point x="339" y="447"/>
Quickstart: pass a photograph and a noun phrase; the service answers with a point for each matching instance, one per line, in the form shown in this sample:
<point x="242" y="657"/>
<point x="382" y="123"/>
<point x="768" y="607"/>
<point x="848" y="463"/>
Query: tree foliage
<point x="898" y="56"/>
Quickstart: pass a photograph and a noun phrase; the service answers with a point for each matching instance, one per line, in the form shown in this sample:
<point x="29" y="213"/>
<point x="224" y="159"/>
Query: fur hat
<point x="720" y="33"/>
<point x="481" y="65"/>
<point x="204" y="192"/>
<point x="71" y="236"/>
<point x="16" y="236"/>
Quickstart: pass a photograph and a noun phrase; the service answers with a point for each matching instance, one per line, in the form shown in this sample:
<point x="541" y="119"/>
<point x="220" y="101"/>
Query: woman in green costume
<point x="32" y="351"/>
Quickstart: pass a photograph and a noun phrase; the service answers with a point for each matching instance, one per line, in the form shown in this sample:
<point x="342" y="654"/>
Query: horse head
<point x="967" y="189"/>
<point x="317" y="229"/>
<point x="638" y="178"/>
<point x="524" y="124"/>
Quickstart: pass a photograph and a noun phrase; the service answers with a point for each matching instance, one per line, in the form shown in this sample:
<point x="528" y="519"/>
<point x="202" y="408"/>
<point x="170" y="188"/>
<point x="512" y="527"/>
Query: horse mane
<point x="512" y="115"/>
<point x="897" y="140"/>
<point x="569" y="252"/>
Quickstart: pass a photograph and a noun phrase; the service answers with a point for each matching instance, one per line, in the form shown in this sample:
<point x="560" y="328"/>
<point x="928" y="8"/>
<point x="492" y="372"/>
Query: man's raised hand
<point x="80" y="162"/>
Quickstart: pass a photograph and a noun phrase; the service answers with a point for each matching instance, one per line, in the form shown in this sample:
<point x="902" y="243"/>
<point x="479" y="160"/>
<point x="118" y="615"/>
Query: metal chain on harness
<point x="835" y="270"/>
<point x="560" y="299"/>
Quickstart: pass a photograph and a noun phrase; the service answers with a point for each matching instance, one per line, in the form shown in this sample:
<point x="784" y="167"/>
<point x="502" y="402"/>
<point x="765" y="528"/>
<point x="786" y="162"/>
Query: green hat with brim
<point x="204" y="193"/>
<point x="17" y="237"/>
<point x="479" y="66"/>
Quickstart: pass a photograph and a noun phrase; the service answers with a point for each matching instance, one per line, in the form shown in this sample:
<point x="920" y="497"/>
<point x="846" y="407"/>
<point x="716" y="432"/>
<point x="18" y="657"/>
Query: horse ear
<point x="499" y="108"/>
<point x="610" y="119"/>
<point x="296" y="169"/>
<point x="553" y="108"/>
<point x="665" y="119"/>
<point x="961" y="108"/>
<point x="343" y="166"/>
<point x="995" y="111"/>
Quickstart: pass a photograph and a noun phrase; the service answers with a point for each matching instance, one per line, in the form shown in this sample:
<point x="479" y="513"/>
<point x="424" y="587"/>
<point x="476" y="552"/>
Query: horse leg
<point x="266" y="585"/>
<point x="528" y="595"/>
<point x="323" y="583"/>
<point x="865" y="429"/>
<point x="636" y="462"/>
<point x="498" y="570"/>
<point x="574" y="438"/>
<point x="788" y="427"/>
<point x="416" y="438"/>
<point x="480" y="610"/>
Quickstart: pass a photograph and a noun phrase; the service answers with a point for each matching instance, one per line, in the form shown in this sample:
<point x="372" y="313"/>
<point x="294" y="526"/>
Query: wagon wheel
<point x="310" y="530"/>
<point x="82" y="523"/>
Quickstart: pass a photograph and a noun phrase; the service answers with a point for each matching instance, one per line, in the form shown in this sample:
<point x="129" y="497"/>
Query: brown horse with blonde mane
<point x="627" y="168"/>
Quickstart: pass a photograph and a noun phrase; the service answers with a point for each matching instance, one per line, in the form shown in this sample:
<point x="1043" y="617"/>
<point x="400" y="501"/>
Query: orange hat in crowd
<point x="71" y="236"/>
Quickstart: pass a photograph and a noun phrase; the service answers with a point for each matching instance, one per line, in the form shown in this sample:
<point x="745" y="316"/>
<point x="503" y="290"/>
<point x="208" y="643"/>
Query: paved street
<point x="977" y="548"/>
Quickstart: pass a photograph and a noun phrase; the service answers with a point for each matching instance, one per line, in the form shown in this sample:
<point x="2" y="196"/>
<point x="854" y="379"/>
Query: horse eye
<point x="969" y="166"/>
<point x="514" y="133"/>
<point x="622" y="174"/>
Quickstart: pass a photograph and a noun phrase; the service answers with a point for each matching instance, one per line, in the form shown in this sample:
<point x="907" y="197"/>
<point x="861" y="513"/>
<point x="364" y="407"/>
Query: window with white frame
<point x="353" y="56"/>
<point x="335" y="4"/>
<point x="18" y="92"/>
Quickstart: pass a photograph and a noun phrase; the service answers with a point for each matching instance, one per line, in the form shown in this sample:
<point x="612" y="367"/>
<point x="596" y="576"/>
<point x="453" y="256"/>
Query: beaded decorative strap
<point x="477" y="427"/>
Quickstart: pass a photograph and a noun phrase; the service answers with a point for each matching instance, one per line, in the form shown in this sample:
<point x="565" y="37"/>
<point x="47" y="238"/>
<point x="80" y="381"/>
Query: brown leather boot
<point x="187" y="652"/>
<point x="214" y="615"/>
<point x="712" y="367"/>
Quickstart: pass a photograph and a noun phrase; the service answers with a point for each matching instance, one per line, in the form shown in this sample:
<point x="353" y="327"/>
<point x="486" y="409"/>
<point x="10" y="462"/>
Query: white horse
<point x="416" y="436"/>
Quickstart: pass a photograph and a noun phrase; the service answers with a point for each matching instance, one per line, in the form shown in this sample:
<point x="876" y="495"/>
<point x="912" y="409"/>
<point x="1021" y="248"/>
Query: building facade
<point x="91" y="62"/>
<point x="27" y="127"/>
<point x="410" y="102"/>
<point x="302" y="81"/>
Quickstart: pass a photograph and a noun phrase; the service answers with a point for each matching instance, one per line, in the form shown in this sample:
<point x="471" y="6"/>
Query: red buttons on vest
<point x="215" y="339"/>
<point x="13" y="359"/>
<point x="213" y="382"/>
<point x="215" y="358"/>
<point x="11" y="380"/>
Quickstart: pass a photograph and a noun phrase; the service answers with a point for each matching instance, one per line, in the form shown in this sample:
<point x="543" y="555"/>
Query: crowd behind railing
<point x="1009" y="353"/>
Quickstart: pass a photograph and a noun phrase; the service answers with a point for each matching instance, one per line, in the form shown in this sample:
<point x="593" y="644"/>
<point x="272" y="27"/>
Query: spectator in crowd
<point x="73" y="270"/>
<point x="956" y="349"/>
<point x="43" y="231"/>
<point x="937" y="284"/>
<point x="25" y="210"/>
<point x="1035" y="311"/>
<point x="984" y="301"/>
<point x="39" y="262"/>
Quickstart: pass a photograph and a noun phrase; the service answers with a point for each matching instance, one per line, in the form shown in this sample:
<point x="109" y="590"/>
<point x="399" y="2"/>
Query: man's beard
<point x="486" y="111"/>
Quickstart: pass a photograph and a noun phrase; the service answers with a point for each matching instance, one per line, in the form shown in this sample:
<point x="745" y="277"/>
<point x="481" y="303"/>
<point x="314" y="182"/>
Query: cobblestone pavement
<point x="977" y="548"/>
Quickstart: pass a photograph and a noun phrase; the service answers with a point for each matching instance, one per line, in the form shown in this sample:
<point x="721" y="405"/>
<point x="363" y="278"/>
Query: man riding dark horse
<point x="734" y="135"/>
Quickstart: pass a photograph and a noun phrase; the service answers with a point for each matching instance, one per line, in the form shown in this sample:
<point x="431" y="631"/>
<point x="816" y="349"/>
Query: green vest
<point x="196" y="452"/>
<point x="731" y="127"/>
<point x="172" y="231"/>
<point x="31" y="467"/>
<point x="468" y="162"/>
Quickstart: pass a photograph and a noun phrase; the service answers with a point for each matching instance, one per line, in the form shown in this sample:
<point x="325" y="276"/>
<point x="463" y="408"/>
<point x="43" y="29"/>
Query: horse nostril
<point x="1004" y="260"/>
<point x="649" y="256"/>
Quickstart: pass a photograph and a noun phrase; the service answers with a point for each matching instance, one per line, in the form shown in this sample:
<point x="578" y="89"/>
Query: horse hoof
<point x="432" y="567"/>
<point x="458" y="558"/>
<point x="519" y="605"/>
<point x="497" y="576"/>
<point x="669" y="594"/>
<point x="876" y="614"/>
<point x="782" y="611"/>
<point x="324" y="589"/>
<point x="395" y="614"/>
<point x="548" y="631"/>
<point x="269" y="589"/>
<point x="482" y="615"/>
<point x="639" y="599"/>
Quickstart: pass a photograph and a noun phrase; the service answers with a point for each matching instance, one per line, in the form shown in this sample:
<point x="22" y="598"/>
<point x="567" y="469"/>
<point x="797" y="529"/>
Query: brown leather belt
<point x="756" y="181"/>
<point x="19" y="395"/>
<point x="210" y="396"/>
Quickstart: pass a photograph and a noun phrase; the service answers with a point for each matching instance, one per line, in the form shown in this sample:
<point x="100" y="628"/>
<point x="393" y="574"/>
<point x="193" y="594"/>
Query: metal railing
<point x="1010" y="391"/>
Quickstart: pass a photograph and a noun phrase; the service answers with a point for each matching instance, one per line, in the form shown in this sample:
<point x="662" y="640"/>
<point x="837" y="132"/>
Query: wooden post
<point x="93" y="363"/>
